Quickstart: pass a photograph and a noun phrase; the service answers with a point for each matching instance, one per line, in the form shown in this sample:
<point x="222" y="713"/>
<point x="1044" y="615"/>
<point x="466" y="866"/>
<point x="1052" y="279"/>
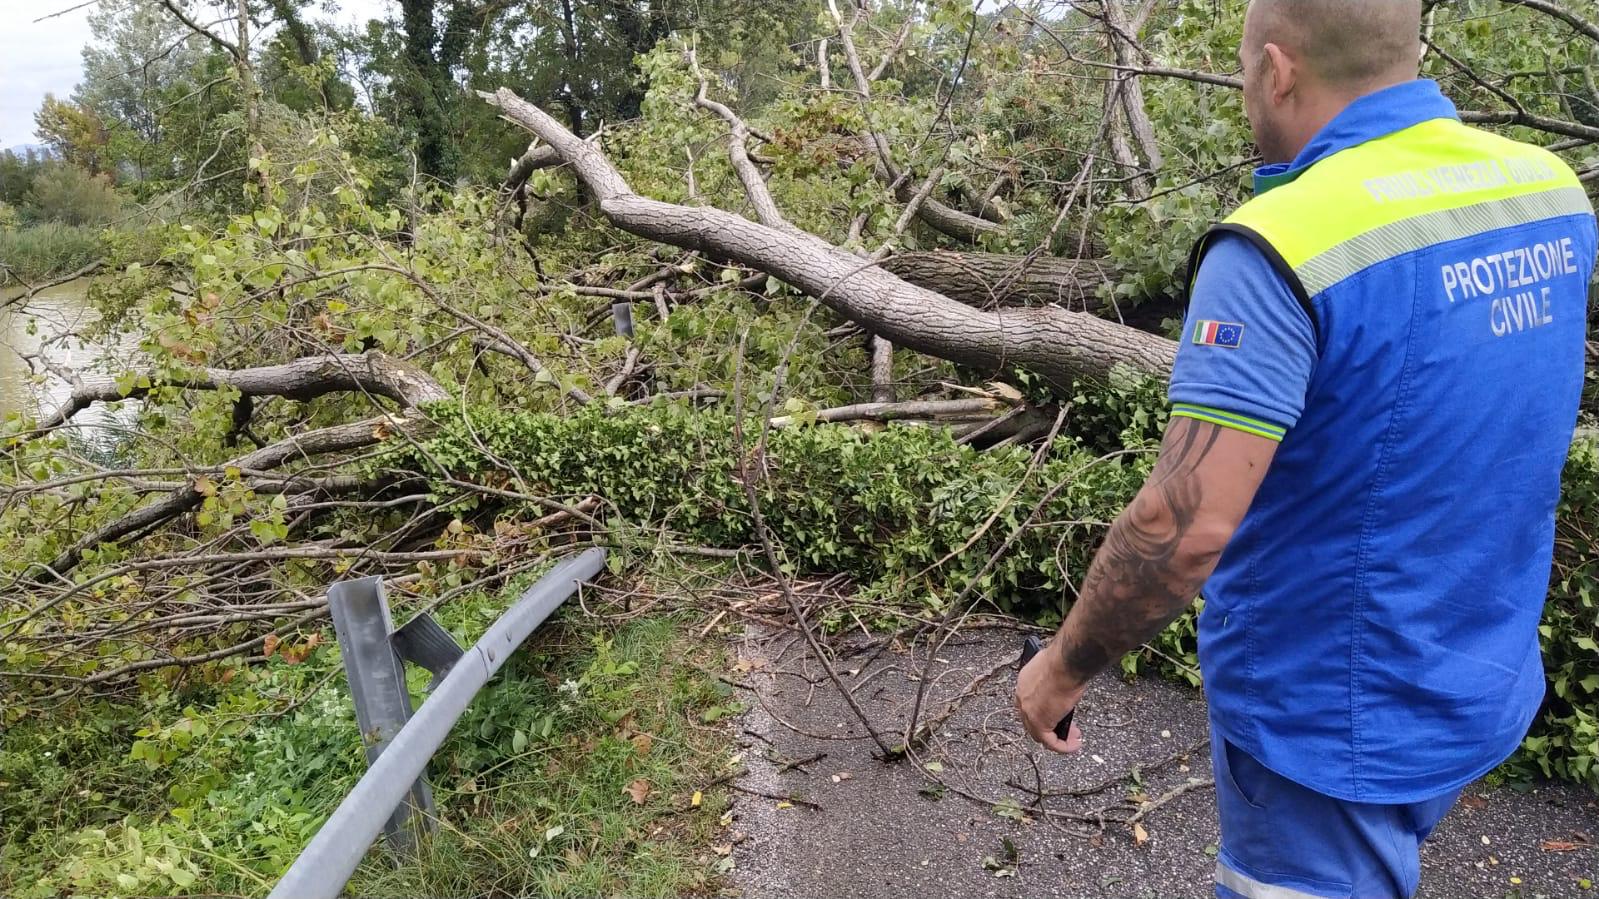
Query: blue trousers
<point x="1280" y="840"/>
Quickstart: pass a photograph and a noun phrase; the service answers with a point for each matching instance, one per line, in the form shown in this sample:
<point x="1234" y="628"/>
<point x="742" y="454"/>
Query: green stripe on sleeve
<point x="1230" y="420"/>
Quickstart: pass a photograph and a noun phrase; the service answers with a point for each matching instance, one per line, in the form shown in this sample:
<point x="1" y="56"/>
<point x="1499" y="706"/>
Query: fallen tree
<point x="1056" y="343"/>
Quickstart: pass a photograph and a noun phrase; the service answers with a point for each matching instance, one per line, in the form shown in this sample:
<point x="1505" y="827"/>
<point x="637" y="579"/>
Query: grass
<point x="215" y="789"/>
<point x="598" y="715"/>
<point x="41" y="252"/>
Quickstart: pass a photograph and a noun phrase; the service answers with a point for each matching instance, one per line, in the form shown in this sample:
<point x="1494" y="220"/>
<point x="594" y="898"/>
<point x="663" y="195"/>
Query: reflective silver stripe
<point x="1397" y="238"/>
<point x="1250" y="888"/>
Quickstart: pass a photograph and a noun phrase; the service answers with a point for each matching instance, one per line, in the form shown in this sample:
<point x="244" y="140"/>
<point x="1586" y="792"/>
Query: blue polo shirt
<point x="1370" y="631"/>
<point x="1262" y="381"/>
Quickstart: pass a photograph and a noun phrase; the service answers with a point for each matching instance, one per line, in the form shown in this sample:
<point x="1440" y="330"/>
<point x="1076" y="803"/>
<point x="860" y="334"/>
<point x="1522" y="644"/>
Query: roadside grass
<point x="574" y="774"/>
<point x="215" y="786"/>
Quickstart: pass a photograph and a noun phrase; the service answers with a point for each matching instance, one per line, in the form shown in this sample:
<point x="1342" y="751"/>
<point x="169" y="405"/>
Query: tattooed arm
<point x="1151" y="566"/>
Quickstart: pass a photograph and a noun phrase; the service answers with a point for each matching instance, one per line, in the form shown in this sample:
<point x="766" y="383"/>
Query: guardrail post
<point x="622" y="318"/>
<point x="421" y="641"/>
<point x="362" y="620"/>
<point x="377" y="684"/>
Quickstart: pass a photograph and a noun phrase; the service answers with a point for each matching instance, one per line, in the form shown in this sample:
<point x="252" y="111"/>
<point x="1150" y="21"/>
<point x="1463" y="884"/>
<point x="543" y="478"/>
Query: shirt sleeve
<point x="1248" y="348"/>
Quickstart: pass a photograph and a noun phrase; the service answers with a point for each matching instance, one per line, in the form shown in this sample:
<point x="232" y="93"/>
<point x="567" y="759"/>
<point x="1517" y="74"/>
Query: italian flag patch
<point x="1223" y="334"/>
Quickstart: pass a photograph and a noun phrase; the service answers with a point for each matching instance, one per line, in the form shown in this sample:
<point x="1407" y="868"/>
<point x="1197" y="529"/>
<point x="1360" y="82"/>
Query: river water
<point x="43" y="328"/>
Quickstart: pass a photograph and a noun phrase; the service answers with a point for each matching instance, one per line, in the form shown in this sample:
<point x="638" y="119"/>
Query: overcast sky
<point x="40" y="57"/>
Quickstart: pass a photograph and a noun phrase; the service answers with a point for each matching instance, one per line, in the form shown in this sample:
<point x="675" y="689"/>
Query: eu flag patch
<point x="1223" y="334"/>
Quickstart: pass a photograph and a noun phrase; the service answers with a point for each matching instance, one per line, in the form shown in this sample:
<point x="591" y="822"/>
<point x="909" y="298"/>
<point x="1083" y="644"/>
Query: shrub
<point x="898" y="510"/>
<point x="71" y="196"/>
<point x="1565" y="741"/>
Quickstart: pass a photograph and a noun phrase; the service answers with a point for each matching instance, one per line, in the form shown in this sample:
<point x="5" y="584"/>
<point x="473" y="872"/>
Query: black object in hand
<point x="1032" y="646"/>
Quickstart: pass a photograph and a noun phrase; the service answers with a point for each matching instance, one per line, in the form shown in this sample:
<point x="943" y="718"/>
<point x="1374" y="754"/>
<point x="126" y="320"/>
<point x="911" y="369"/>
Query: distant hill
<point x="25" y="149"/>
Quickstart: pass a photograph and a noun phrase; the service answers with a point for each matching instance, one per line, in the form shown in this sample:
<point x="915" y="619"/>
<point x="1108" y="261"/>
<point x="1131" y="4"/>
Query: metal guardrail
<point x="393" y="794"/>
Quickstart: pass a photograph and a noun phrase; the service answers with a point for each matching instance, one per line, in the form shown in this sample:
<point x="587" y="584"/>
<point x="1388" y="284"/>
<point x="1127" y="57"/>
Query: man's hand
<point x="1043" y="696"/>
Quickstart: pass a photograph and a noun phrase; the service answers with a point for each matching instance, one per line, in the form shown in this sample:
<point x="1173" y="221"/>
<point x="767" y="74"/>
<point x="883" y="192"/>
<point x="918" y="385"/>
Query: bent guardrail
<point x="393" y="792"/>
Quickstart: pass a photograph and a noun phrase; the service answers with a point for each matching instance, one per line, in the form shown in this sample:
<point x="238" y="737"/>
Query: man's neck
<point x="1322" y="106"/>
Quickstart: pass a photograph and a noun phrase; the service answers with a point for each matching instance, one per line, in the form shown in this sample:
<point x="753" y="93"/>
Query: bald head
<point x="1347" y="45"/>
<point x="1306" y="60"/>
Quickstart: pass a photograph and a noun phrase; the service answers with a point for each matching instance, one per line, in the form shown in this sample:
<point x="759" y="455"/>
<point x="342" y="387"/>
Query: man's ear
<point x="1282" y="73"/>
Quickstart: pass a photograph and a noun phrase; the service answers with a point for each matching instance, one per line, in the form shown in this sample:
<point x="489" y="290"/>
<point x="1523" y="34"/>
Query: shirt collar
<point x="1368" y="118"/>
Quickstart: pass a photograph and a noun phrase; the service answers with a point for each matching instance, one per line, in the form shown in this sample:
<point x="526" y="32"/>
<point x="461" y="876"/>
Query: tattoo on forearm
<point x="1132" y="590"/>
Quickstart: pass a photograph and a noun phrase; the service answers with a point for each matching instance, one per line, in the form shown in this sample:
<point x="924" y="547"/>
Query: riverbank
<point x="40" y="252"/>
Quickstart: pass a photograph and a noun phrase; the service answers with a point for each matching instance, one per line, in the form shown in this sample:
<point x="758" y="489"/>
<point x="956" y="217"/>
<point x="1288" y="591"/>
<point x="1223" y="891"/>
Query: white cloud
<point x="40" y="57"/>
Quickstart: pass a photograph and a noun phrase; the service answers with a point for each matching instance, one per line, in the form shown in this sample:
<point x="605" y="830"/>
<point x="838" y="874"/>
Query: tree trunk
<point x="1057" y="344"/>
<point x="569" y="45"/>
<point x="882" y="370"/>
<point x="305" y="46"/>
<point x="1121" y="31"/>
<point x="987" y="280"/>
<point x="247" y="82"/>
<point x="536" y="157"/>
<point x="425" y="87"/>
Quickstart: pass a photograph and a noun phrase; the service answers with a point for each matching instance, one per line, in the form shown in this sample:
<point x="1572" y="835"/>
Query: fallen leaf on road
<point x="725" y="849"/>
<point x="1473" y="802"/>
<point x="785" y="804"/>
<point x="638" y="791"/>
<point x="1140" y="835"/>
<point x="1561" y="845"/>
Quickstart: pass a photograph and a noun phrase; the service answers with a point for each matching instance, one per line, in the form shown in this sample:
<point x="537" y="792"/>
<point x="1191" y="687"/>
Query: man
<point x="1372" y="404"/>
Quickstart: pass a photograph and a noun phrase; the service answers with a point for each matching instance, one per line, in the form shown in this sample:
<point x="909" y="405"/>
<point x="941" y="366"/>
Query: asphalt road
<point x="982" y="812"/>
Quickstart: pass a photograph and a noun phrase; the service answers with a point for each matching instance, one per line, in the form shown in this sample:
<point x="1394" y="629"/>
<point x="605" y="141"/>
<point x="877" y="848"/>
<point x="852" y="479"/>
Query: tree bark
<point x="303" y="379"/>
<point x="1057" y="344"/>
<point x="536" y="157"/>
<point x="1120" y="32"/>
<point x="987" y="280"/>
<point x="882" y="370"/>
